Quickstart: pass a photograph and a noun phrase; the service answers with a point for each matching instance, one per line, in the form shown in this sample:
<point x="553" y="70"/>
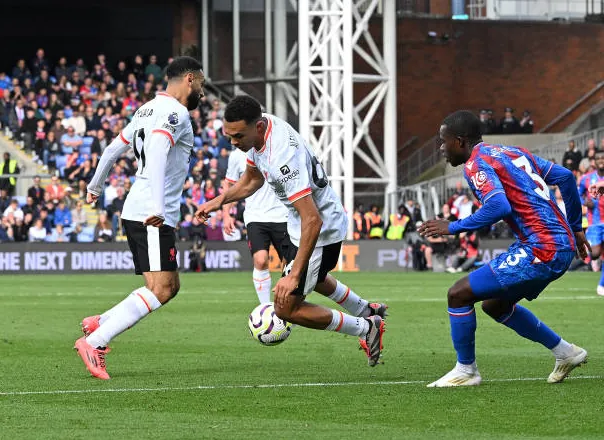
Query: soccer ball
<point x="266" y="327"/>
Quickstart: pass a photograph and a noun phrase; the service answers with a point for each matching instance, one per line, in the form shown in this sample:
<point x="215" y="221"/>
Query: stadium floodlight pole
<point x="236" y="46"/>
<point x="337" y="126"/>
<point x="205" y="46"/>
<point x="280" y="52"/>
<point x="390" y="136"/>
<point x="268" y="52"/>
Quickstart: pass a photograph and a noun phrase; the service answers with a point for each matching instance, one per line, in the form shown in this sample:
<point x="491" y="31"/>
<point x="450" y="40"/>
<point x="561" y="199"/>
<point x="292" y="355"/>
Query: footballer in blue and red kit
<point x="512" y="185"/>
<point x="595" y="213"/>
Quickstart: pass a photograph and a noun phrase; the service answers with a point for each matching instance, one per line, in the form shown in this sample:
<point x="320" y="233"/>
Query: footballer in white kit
<point x="265" y="219"/>
<point x="317" y="224"/>
<point x="161" y="136"/>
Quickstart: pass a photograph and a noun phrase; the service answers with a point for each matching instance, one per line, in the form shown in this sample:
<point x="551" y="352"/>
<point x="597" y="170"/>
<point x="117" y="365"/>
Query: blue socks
<point x="463" y="330"/>
<point x="527" y="325"/>
<point x="602" y="276"/>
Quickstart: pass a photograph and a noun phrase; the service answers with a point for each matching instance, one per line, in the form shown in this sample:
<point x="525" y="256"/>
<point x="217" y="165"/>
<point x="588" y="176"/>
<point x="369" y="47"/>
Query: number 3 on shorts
<point x="513" y="260"/>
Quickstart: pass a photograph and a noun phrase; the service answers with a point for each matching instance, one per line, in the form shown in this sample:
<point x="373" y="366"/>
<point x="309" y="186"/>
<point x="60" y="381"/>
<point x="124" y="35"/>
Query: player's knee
<point x="284" y="313"/>
<point x="596" y="251"/>
<point x="165" y="291"/>
<point x="261" y="260"/>
<point x="460" y="294"/>
<point x="496" y="309"/>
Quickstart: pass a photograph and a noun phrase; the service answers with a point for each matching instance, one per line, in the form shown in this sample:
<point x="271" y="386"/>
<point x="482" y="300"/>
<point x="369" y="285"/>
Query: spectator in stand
<point x="375" y="224"/>
<point x="590" y="152"/>
<point x="20" y="71"/>
<point x="50" y="151"/>
<point x="446" y="213"/>
<point x="61" y="69"/>
<point x="62" y="214"/>
<point x="103" y="231"/>
<point x="214" y="227"/>
<point x="115" y="209"/>
<point x="39" y="63"/>
<point x="210" y="191"/>
<point x="397" y="224"/>
<point x="121" y="73"/>
<point x="4" y="200"/>
<point x="13" y="210"/>
<point x="47" y="219"/>
<point x="414" y="212"/>
<point x="16" y="116"/>
<point x="93" y="122"/>
<point x="70" y="141"/>
<point x="58" y="235"/>
<point x="28" y="129"/>
<point x="468" y="253"/>
<point x="571" y="157"/>
<point x="36" y="192"/>
<point x="138" y="67"/>
<point x="487" y="123"/>
<point x="43" y="82"/>
<point x="110" y="192"/>
<point x="509" y="124"/>
<point x="79" y="215"/>
<point x="39" y="140"/>
<point x="55" y="190"/>
<point x="37" y="232"/>
<point x="359" y="223"/>
<point x="30" y="207"/>
<point x="9" y="166"/>
<point x="152" y="68"/>
<point x="526" y="123"/>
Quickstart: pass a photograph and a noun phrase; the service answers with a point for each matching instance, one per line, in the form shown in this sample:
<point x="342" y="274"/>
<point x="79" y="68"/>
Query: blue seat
<point x="197" y="142"/>
<point x="87" y="235"/>
<point x="21" y="199"/>
<point x="61" y="162"/>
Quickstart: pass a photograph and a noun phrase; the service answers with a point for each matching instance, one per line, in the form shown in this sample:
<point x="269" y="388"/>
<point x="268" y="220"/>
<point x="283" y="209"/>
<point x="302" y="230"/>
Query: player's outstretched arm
<point x="250" y="182"/>
<point x="565" y="180"/>
<point x="494" y="209"/>
<point x="311" y="223"/>
<point x="113" y="151"/>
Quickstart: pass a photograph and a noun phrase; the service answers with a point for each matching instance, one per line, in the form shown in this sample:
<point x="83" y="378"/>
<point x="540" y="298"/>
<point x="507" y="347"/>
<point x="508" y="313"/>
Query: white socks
<point x="352" y="302"/>
<point x="262" y="283"/>
<point x="562" y="350"/>
<point x="467" y="368"/>
<point x="124" y="315"/>
<point x="349" y="325"/>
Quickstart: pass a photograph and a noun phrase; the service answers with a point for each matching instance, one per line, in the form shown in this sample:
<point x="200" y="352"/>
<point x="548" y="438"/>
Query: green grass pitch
<point x="192" y="371"/>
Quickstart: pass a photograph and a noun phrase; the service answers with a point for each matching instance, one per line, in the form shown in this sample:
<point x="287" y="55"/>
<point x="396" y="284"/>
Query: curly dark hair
<point x="243" y="107"/>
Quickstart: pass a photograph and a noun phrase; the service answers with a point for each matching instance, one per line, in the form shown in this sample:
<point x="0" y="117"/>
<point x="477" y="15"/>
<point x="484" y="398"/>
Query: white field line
<point x="266" y="386"/>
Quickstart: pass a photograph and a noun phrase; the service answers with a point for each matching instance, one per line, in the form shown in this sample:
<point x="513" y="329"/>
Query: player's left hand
<point x="583" y="247"/>
<point x="432" y="228"/>
<point x="284" y="287"/>
<point x="154" y="221"/>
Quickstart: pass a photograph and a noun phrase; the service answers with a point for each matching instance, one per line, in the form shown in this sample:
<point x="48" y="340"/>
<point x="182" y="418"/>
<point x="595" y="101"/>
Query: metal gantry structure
<point x="332" y="117"/>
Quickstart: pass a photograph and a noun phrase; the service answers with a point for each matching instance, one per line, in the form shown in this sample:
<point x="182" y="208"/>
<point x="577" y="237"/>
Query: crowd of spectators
<point x="64" y="114"/>
<point x="509" y="124"/>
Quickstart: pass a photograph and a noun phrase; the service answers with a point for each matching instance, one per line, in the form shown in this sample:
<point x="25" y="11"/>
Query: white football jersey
<point x="262" y="206"/>
<point x="165" y="115"/>
<point x="292" y="170"/>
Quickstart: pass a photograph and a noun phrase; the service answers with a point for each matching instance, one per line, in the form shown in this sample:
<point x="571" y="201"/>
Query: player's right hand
<point x="204" y="210"/>
<point x="91" y="198"/>
<point x="583" y="247"/>
<point x="228" y="224"/>
<point x="596" y="190"/>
